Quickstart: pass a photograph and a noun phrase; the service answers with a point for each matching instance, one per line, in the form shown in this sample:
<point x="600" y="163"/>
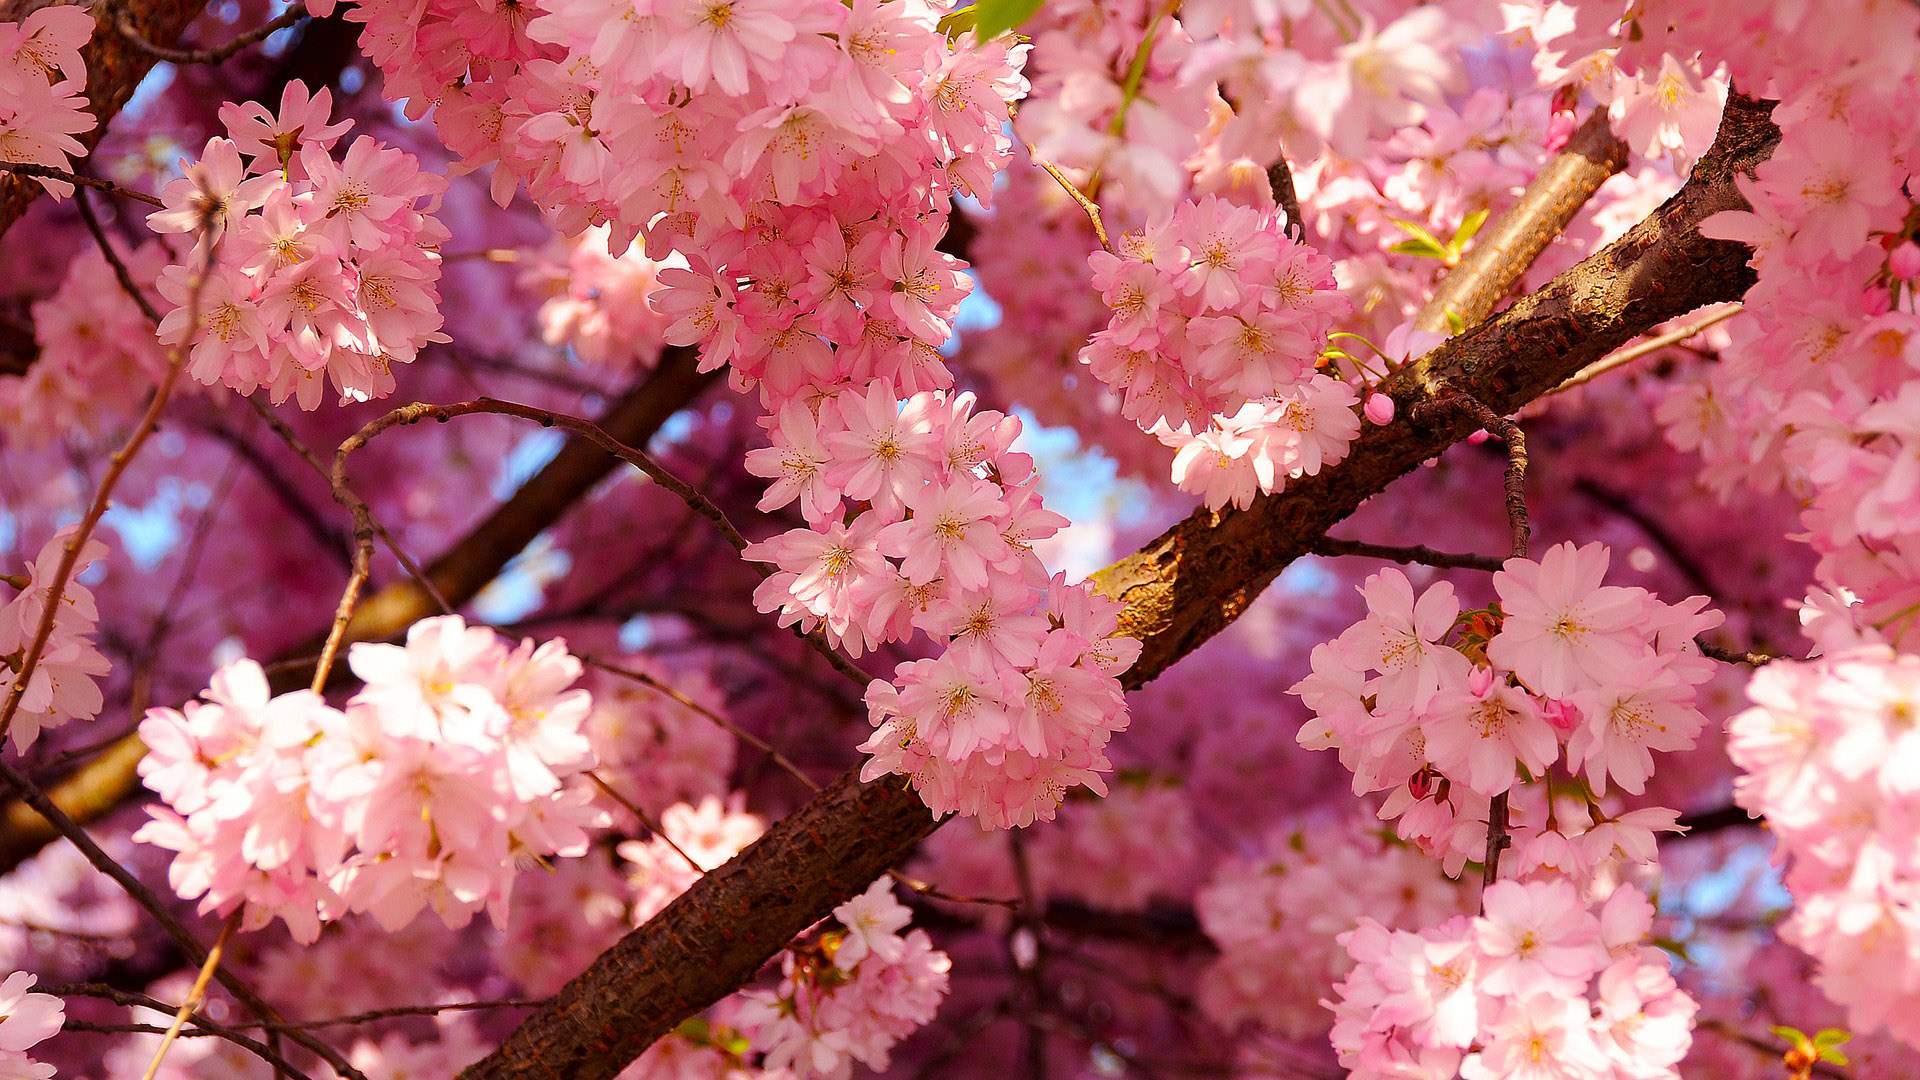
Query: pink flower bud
<point x="1379" y="409"/>
<point x="1904" y="261"/>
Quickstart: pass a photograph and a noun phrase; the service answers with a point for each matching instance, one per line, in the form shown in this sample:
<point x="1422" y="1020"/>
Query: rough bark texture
<point x="1504" y="249"/>
<point x="115" y="67"/>
<point x="1180" y="590"/>
<point x="110" y="780"/>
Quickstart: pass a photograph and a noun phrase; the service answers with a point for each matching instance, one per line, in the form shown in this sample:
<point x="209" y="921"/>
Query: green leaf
<point x="993" y="17"/>
<point x="1469" y="226"/>
<point x="1831" y="1037"/>
<point x="694" y="1029"/>
<point x="1419" y="233"/>
<point x="1792" y="1034"/>
<point x="1833" y="1057"/>
<point x="1455" y="324"/>
<point x="1427" y="248"/>
<point x="957" y="22"/>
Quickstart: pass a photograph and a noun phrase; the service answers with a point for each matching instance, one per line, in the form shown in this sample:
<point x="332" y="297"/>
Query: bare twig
<point x="723" y="722"/>
<point x="196" y="996"/>
<point x="26" y="168"/>
<point x="1092" y="208"/>
<point x="1651" y="345"/>
<point x="1509" y="432"/>
<point x="217" y="53"/>
<point x="1521" y="531"/>
<point x="586" y="429"/>
<point x="1411" y="554"/>
<point x="201" y="1026"/>
<point x="1751" y="658"/>
<point x="103" y="495"/>
<point x="31" y="794"/>
<point x="646" y="819"/>
<point x="120" y="271"/>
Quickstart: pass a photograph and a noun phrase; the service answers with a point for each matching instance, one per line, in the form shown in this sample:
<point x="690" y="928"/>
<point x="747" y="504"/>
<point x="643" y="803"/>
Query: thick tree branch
<point x="115" y="66"/>
<point x="111" y="781"/>
<point x="1180" y="590"/>
<point x="1507" y="246"/>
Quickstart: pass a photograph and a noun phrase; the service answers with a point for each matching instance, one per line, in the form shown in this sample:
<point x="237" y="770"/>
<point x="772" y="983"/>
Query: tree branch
<point x="111" y="781"/>
<point x="115" y="66"/>
<point x="1179" y="591"/>
<point x="1507" y="246"/>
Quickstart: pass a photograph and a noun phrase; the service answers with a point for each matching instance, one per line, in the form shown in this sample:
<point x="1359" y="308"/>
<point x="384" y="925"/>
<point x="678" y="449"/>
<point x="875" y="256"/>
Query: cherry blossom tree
<point x="584" y="538"/>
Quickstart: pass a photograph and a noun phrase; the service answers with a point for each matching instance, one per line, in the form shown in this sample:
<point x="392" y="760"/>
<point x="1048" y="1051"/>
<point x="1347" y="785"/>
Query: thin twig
<point x="1520" y="530"/>
<point x="586" y="429"/>
<point x="404" y="1010"/>
<point x="1651" y="345"/>
<point x="196" y="996"/>
<point x="26" y="168"/>
<point x="201" y="1026"/>
<point x="1508" y="432"/>
<point x="122" y="458"/>
<point x="217" y="53"/>
<point x="407" y="562"/>
<point x="645" y="819"/>
<point x="723" y="722"/>
<point x="120" y="271"/>
<point x="1092" y="208"/>
<point x="31" y="794"/>
<point x="1751" y="658"/>
<point x="929" y="890"/>
<point x="1411" y="554"/>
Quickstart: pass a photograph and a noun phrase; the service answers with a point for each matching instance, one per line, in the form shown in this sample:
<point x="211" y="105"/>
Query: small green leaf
<point x="1455" y="324"/>
<point x="1831" y="1037"/>
<point x="1428" y="248"/>
<point x="1792" y="1034"/>
<point x="1833" y="1057"/>
<point x="1418" y="233"/>
<point x="1469" y="226"/>
<point x="993" y="17"/>
<point x="957" y="22"/>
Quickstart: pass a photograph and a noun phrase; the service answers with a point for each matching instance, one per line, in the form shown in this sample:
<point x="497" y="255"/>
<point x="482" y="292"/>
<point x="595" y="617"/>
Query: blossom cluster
<point x="863" y="988"/>
<point x="1218" y="322"/>
<point x="323" y="269"/>
<point x="1277" y="918"/>
<point x="1136" y="846"/>
<point x="681" y="123"/>
<point x="1606" y="673"/>
<point x="790" y="170"/>
<point x="1832" y="760"/>
<point x="458" y="762"/>
<point x="65" y="684"/>
<point x="692" y="841"/>
<point x="598" y="306"/>
<point x="650" y="744"/>
<point x="98" y="357"/>
<point x="43" y="81"/>
<point x="1017" y="708"/>
<point x="26" y="1019"/>
<point x="1537" y="985"/>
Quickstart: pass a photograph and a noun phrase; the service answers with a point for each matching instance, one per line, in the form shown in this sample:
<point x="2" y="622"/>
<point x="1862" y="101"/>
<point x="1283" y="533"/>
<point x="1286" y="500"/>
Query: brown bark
<point x="110" y="780"/>
<point x="115" y="67"/>
<point x="1508" y="245"/>
<point x="1180" y="590"/>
